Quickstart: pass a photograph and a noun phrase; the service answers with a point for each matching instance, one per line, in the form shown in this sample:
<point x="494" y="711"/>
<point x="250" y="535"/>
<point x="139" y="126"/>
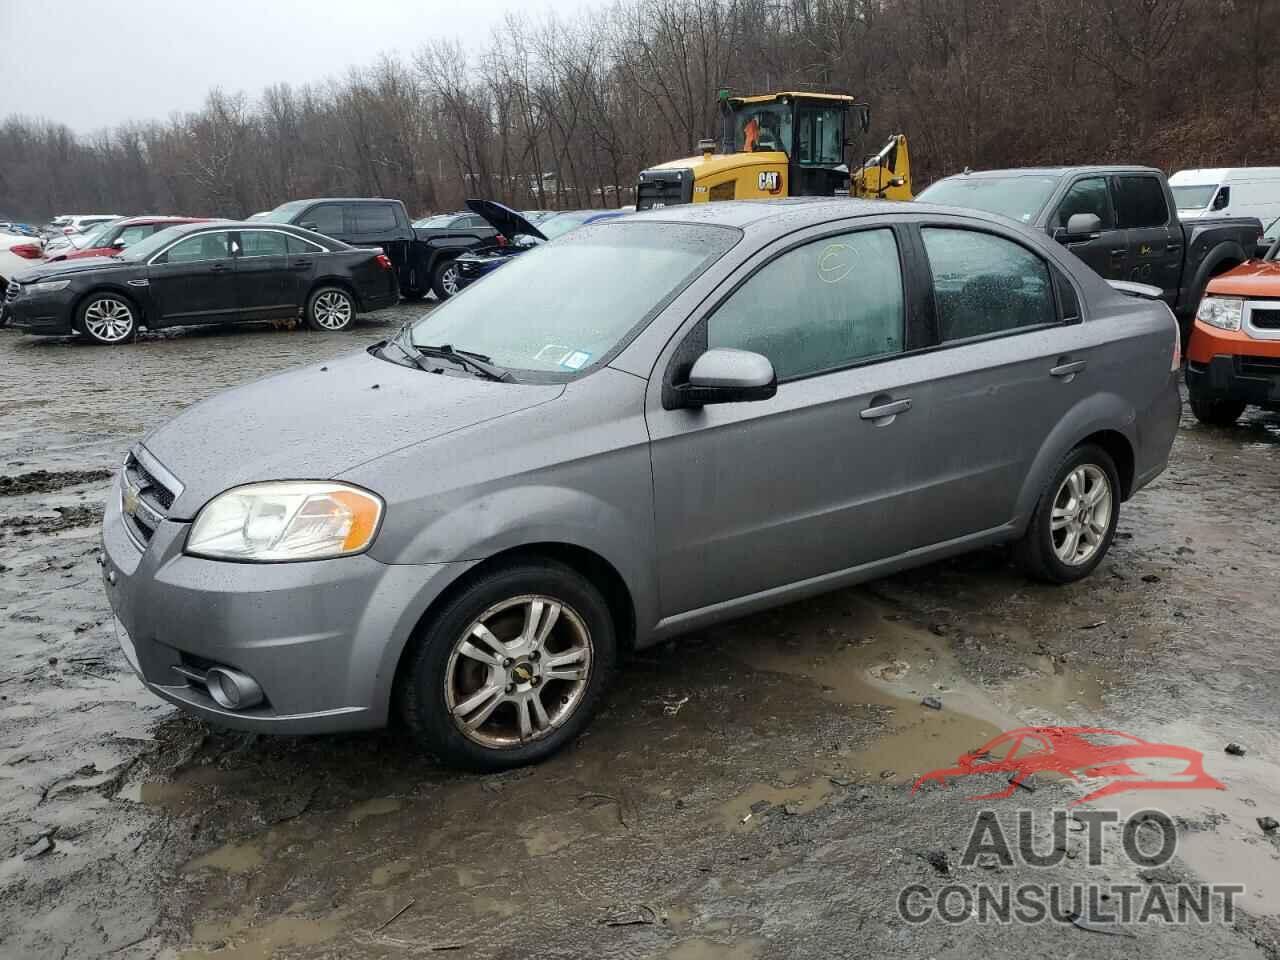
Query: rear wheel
<point x="330" y="309"/>
<point x="107" y="318"/>
<point x="1074" y="520"/>
<point x="1216" y="411"/>
<point x="511" y="669"/>
<point x="444" y="280"/>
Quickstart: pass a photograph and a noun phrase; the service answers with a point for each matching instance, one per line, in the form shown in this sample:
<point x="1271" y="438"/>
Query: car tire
<point x="444" y="280"/>
<point x="451" y="665"/>
<point x="1065" y="539"/>
<point x="1216" y="411"/>
<point x="107" y="318"/>
<point x="330" y="309"/>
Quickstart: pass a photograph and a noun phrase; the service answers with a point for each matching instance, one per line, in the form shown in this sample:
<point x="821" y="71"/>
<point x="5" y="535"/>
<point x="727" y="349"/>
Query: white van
<point x="1227" y="192"/>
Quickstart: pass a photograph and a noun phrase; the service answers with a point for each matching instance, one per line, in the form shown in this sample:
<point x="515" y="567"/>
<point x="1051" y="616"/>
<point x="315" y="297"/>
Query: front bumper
<point x="1253" y="379"/>
<point x="49" y="313"/>
<point x="322" y="638"/>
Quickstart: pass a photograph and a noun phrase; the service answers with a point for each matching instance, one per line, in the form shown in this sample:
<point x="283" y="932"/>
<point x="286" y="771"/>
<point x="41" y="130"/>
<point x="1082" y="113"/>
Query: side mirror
<point x="726" y="375"/>
<point x="1221" y="200"/>
<point x="1082" y="225"/>
<point x="524" y="240"/>
<point x="118" y="244"/>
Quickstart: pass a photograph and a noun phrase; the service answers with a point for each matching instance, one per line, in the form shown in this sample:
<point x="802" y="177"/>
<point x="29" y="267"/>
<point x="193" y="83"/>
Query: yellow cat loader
<point x="781" y="145"/>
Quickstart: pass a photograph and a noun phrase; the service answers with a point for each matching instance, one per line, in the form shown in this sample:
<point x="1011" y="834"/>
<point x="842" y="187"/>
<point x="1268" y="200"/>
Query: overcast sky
<point x="93" y="64"/>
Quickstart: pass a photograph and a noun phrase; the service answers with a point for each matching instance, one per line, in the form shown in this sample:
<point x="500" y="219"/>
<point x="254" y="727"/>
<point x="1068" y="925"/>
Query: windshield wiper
<point x="417" y="359"/>
<point x="477" y="362"/>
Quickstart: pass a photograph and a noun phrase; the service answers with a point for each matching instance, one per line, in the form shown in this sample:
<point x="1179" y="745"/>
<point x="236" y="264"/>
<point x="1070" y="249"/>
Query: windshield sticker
<point x="553" y="353"/>
<point x="576" y="360"/>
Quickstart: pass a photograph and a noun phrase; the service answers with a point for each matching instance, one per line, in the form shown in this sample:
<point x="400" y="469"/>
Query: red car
<point x="1080" y="753"/>
<point x="113" y="237"/>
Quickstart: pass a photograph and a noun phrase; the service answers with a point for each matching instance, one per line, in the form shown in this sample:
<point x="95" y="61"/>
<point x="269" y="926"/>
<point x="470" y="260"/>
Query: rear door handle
<point x="1120" y="252"/>
<point x="1068" y="369"/>
<point x="300" y="264"/>
<point x="890" y="409"/>
<point x="221" y="267"/>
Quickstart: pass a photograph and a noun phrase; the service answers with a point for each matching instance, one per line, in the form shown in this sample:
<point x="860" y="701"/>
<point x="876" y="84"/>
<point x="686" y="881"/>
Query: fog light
<point x="232" y="690"/>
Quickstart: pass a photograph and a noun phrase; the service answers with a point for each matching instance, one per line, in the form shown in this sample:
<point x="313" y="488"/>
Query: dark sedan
<point x="204" y="273"/>
<point x="524" y="235"/>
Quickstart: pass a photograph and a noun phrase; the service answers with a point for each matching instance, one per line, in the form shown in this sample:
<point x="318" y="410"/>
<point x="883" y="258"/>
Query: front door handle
<point x="890" y="409"/>
<point x="220" y="268"/>
<point x="1068" y="369"/>
<point x="300" y="264"/>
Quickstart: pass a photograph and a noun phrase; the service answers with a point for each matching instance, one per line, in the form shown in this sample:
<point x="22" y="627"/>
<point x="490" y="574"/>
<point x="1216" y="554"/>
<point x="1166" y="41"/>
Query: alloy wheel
<point x="518" y="672"/>
<point x="1081" y="515"/>
<point x="332" y="310"/>
<point x="109" y="320"/>
<point x="449" y="280"/>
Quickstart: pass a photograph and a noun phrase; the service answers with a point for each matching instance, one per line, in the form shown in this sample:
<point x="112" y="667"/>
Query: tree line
<point x="563" y="112"/>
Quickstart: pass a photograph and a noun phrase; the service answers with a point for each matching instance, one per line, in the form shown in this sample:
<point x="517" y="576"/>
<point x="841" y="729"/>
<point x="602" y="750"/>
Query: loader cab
<point x="811" y="129"/>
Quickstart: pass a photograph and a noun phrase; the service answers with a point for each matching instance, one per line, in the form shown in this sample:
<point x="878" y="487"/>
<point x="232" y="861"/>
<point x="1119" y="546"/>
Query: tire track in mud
<point x="48" y="481"/>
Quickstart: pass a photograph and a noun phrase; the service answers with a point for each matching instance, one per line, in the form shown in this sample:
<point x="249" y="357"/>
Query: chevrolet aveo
<point x="650" y="425"/>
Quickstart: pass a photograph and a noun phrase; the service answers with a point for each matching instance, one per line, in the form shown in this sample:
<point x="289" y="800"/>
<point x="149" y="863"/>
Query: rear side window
<point x="984" y="284"/>
<point x="1087" y="196"/>
<point x="1140" y="203"/>
<point x="326" y="219"/>
<point x="262" y="243"/>
<point x="298" y="245"/>
<point x="372" y="218"/>
<point x="818" y="307"/>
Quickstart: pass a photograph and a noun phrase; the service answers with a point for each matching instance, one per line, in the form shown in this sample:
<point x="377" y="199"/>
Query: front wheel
<point x="511" y="669"/>
<point x="330" y="309"/>
<point x="1216" y="411"/>
<point x="107" y="318"/>
<point x="1075" y="519"/>
<point x="444" y="280"/>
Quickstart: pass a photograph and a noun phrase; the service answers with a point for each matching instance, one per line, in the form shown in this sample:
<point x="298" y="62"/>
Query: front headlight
<point x="289" y="520"/>
<point x="1221" y="312"/>
<point x="49" y="286"/>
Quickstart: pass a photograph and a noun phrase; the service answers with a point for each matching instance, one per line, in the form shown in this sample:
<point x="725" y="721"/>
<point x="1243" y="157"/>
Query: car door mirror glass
<point x="524" y="240"/>
<point x="1083" y="225"/>
<point x="728" y="375"/>
<point x="119" y="244"/>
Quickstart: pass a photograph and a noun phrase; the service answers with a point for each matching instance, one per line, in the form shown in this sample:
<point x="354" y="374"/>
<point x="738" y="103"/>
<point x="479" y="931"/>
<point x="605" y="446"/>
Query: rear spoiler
<point x="1131" y="289"/>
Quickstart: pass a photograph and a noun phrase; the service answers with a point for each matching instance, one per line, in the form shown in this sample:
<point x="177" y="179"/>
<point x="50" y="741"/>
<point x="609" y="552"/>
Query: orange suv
<point x="1233" y="359"/>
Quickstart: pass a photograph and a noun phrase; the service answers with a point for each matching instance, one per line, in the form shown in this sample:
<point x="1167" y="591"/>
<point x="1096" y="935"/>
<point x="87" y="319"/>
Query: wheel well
<point x="138" y="310"/>
<point x="1118" y="448"/>
<point x="1222" y="266"/>
<point x="590" y="564"/>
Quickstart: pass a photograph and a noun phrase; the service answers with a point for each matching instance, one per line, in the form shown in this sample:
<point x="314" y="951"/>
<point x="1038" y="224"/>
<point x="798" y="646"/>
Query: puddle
<point x="710" y="950"/>
<point x="231" y="858"/>
<point x="750" y="808"/>
<point x="236" y="940"/>
<point x="374" y="808"/>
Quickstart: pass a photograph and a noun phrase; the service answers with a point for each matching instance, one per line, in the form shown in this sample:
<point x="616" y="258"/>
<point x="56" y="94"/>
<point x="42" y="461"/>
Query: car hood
<point x="503" y="219"/>
<point x="56" y="269"/>
<point x="1254" y="278"/>
<point x="321" y="420"/>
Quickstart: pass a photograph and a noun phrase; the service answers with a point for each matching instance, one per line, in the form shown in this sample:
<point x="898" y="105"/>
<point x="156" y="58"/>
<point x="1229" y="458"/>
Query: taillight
<point x="383" y="261"/>
<point x="500" y="240"/>
<point x="28" y="251"/>
<point x="68" y="231"/>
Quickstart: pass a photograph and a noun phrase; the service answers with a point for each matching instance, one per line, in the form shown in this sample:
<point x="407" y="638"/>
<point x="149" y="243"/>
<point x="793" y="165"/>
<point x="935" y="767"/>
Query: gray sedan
<point x="651" y="425"/>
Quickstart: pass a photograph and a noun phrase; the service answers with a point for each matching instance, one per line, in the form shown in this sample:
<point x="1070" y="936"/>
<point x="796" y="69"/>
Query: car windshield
<point x="561" y="308"/>
<point x="143" y="249"/>
<point x="439" y="220"/>
<point x="1019" y="198"/>
<point x="561" y="224"/>
<point x="285" y="212"/>
<point x="1193" y="196"/>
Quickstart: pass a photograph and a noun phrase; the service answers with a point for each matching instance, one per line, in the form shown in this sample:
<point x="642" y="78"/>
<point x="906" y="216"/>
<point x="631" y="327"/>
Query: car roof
<point x="764" y="218"/>
<point x="185" y="227"/>
<point x="1050" y="171"/>
<point x="135" y="221"/>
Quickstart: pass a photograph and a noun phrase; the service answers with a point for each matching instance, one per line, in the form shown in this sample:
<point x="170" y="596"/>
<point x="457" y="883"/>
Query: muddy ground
<point x="745" y="793"/>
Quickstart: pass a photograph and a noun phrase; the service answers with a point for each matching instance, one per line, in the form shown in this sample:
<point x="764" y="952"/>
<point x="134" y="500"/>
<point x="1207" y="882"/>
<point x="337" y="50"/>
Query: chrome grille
<point x="145" y="499"/>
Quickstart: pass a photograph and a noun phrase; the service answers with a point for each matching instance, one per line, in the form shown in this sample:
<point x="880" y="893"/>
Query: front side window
<point x="983" y="284"/>
<point x="131" y="235"/>
<point x="1140" y="203"/>
<point x="203" y="246"/>
<point x="326" y="219"/>
<point x="763" y="127"/>
<point x="374" y="218"/>
<point x="820" y="135"/>
<point x="819" y="307"/>
<point x="263" y="243"/>
<point x="1086" y="196"/>
<point x="578" y="298"/>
